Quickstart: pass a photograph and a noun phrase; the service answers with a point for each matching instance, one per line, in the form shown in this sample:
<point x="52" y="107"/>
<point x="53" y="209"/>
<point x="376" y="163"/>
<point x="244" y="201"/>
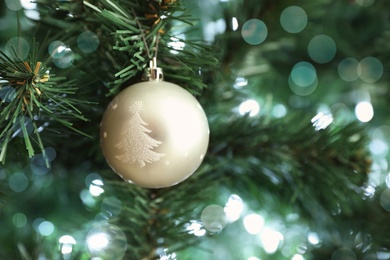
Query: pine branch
<point x="134" y="35"/>
<point x="33" y="95"/>
<point x="294" y="164"/>
<point x="158" y="219"/>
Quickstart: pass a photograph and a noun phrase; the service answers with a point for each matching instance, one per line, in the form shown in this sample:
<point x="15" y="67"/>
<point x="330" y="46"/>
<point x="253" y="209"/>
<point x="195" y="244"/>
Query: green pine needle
<point x="34" y="95"/>
<point x="146" y="33"/>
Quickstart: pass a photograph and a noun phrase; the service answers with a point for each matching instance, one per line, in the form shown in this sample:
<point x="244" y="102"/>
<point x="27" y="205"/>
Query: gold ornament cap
<point x="153" y="73"/>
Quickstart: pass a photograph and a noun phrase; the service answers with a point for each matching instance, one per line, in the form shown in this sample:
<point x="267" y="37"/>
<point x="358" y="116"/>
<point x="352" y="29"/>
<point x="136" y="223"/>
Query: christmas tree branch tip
<point x="32" y="98"/>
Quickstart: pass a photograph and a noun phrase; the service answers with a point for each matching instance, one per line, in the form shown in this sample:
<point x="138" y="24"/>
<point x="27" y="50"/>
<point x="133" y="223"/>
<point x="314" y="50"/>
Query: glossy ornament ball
<point x="154" y="134"/>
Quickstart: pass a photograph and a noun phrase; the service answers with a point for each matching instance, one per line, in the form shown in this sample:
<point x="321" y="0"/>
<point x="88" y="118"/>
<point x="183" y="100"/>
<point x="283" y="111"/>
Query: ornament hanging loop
<point x="153" y="73"/>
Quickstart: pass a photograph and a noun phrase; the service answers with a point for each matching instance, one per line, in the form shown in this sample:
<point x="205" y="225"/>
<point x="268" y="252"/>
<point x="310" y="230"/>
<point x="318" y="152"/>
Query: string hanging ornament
<point x="154" y="134"/>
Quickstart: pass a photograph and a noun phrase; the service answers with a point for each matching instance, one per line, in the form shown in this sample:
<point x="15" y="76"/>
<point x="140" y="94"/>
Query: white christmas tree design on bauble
<point x="154" y="134"/>
<point x="136" y="144"/>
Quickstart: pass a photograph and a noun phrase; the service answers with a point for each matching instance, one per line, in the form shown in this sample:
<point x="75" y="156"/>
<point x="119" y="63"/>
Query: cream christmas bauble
<point x="154" y="134"/>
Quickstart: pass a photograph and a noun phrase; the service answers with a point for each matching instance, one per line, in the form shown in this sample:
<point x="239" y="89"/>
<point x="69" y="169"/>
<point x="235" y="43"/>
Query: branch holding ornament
<point x="124" y="22"/>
